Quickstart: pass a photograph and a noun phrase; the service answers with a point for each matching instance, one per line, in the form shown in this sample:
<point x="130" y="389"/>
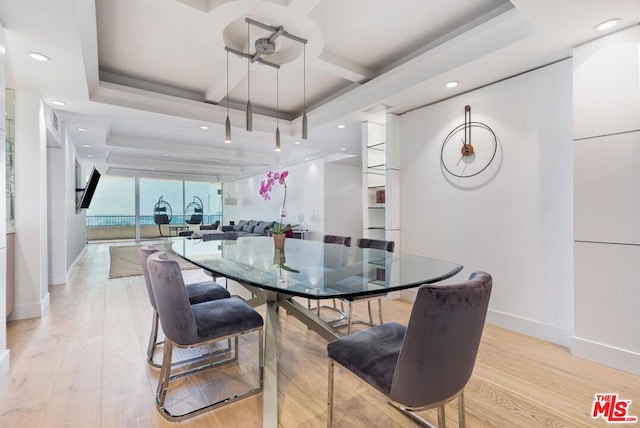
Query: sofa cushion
<point x="263" y="227"/>
<point x="249" y="226"/>
<point x="238" y="226"/>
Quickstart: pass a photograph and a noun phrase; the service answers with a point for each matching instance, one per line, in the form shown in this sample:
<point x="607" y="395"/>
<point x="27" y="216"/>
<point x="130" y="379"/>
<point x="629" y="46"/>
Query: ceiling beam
<point x="172" y="165"/>
<point x="344" y="68"/>
<point x="184" y="150"/>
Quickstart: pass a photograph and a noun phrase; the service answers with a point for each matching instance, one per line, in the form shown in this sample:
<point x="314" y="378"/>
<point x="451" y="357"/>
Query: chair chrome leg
<point x="151" y="348"/>
<point x="235" y="352"/>
<point x="369" y="309"/>
<point x="462" y="423"/>
<point x="165" y="374"/>
<point x="330" y="395"/>
<point x="261" y="356"/>
<point x="349" y="309"/>
<point x="166" y="378"/>
<point x="380" y="310"/>
<point x="441" y="419"/>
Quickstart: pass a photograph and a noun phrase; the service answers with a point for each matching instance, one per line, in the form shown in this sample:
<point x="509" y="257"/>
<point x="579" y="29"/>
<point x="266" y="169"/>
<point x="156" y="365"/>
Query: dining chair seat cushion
<point x="205" y="291"/>
<point x="371" y="354"/>
<point x="220" y="318"/>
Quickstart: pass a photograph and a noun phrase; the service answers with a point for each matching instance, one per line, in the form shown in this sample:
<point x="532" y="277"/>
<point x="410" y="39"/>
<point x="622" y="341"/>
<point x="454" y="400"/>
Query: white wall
<point x="343" y="200"/>
<point x="305" y="196"/>
<point x="607" y="200"/>
<point x="56" y="242"/>
<point x="4" y="353"/>
<point x="31" y="271"/>
<point x="76" y="238"/>
<point x="67" y="228"/>
<point x="513" y="221"/>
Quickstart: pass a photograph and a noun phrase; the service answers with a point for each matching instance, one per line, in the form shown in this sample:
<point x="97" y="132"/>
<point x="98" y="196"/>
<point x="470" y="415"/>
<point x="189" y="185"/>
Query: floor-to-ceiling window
<point x="161" y="206"/>
<point x="165" y="207"/>
<point x="206" y="195"/>
<point x="112" y="213"/>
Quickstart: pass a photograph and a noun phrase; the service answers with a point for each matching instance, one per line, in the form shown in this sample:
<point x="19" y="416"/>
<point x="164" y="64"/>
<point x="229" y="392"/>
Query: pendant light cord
<point x="227" y="83"/>
<point x="277" y="97"/>
<point x="304" y="77"/>
<point x="248" y="64"/>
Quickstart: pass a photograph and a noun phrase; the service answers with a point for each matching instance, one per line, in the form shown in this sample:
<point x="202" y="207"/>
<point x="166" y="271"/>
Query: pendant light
<point x="227" y="123"/>
<point x="264" y="47"/>
<point x="305" y="124"/>
<point x="249" y="110"/>
<point x="277" y="110"/>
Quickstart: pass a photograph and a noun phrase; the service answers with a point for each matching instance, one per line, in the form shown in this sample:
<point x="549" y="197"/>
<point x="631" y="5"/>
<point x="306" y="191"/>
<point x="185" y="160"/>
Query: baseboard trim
<point x="58" y="279"/>
<point x="5" y="361"/>
<point x="610" y="356"/>
<point x="30" y="310"/>
<point x="529" y="327"/>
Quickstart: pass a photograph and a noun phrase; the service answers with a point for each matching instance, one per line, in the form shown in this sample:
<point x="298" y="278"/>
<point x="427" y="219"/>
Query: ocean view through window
<point x="112" y="212"/>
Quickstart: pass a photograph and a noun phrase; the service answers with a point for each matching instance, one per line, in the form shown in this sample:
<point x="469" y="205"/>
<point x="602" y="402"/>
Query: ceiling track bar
<point x="277" y="31"/>
<point x="251" y="57"/>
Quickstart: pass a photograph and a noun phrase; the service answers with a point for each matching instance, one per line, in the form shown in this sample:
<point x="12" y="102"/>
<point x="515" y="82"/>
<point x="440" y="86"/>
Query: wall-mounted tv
<point x="89" y="190"/>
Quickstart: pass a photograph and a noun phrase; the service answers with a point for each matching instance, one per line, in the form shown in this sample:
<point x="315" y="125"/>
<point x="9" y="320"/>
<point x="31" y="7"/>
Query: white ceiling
<point x="142" y="76"/>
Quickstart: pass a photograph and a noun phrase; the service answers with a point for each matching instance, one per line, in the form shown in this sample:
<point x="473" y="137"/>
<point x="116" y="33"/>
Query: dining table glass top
<point x="313" y="269"/>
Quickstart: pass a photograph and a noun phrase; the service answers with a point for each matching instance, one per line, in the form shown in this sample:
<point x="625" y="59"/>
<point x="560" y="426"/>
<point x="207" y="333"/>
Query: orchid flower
<point x="266" y="186"/>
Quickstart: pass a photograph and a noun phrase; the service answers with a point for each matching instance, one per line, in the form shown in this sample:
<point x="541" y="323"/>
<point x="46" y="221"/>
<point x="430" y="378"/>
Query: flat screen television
<point x="89" y="190"/>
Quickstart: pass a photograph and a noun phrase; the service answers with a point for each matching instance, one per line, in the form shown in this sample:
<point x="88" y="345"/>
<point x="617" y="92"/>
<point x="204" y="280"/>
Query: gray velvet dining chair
<point x="427" y="363"/>
<point x="190" y="326"/>
<point x="197" y="292"/>
<point x="374" y="244"/>
<point x="338" y="240"/>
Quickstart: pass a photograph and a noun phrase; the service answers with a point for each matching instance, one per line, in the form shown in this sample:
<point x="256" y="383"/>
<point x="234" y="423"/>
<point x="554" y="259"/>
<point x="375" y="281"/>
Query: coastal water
<point x="130" y="220"/>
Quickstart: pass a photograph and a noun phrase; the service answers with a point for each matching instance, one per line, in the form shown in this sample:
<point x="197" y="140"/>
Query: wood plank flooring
<point x="83" y="365"/>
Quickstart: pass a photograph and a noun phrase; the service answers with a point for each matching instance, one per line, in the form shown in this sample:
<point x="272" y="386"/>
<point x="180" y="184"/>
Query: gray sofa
<point x="248" y="228"/>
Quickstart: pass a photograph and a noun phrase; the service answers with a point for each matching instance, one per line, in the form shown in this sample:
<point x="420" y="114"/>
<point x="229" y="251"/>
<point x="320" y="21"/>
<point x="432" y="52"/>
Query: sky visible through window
<point x="115" y="196"/>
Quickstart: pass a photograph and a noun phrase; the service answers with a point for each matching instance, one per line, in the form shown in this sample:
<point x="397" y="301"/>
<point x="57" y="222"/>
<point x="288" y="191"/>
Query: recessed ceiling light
<point x="39" y="57"/>
<point x="607" y="25"/>
<point x="89" y="156"/>
<point x="452" y="84"/>
<point x="58" y="103"/>
<point x="297" y="142"/>
<point x="204" y="127"/>
<point x="343" y="149"/>
<point x="81" y="129"/>
<point x="306" y="159"/>
<point x="341" y="126"/>
<point x="165" y="154"/>
<point x="231" y="161"/>
<point x="86" y="145"/>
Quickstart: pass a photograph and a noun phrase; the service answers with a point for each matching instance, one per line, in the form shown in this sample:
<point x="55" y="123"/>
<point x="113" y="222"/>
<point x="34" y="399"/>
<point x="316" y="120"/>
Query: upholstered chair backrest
<point x="376" y="244"/>
<point x="335" y="239"/>
<point x="441" y="343"/>
<point x="143" y="254"/>
<point x="172" y="300"/>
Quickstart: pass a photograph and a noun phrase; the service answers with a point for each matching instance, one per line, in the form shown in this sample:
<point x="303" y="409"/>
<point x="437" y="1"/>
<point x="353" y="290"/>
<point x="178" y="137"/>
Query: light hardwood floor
<point x="83" y="365"/>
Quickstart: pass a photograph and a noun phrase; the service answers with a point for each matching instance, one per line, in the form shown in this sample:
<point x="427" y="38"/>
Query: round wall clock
<point x="469" y="148"/>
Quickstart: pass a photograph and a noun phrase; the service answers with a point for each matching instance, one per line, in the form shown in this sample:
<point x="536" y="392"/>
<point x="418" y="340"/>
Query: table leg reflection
<point x="270" y="392"/>
<point x="272" y="301"/>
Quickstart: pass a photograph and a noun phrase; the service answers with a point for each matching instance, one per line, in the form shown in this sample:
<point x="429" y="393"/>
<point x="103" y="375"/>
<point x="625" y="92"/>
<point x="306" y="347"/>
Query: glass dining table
<point x="308" y="269"/>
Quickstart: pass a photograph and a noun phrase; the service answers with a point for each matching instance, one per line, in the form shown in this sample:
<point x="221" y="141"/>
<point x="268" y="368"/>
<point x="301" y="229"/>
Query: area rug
<point x="124" y="260"/>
